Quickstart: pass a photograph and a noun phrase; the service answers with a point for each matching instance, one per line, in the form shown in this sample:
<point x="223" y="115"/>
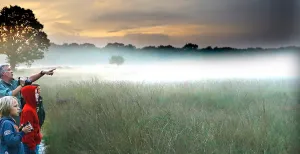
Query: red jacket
<point x="29" y="113"/>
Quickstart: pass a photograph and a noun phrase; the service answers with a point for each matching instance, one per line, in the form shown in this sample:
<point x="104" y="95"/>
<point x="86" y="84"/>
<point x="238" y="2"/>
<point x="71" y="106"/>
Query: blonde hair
<point x="6" y="104"/>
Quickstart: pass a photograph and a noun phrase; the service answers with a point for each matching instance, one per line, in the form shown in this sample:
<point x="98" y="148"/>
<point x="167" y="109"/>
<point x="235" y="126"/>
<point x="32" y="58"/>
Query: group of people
<point x="21" y="111"/>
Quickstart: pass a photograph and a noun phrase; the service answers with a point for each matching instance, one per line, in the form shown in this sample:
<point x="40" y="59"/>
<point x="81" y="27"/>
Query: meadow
<point x="209" y="116"/>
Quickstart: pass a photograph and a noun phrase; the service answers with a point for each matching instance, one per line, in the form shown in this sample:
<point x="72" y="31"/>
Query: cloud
<point x="141" y="16"/>
<point x="148" y="39"/>
<point x="271" y="21"/>
<point x="274" y="22"/>
<point x="66" y="28"/>
<point x="225" y="21"/>
<point x="138" y="40"/>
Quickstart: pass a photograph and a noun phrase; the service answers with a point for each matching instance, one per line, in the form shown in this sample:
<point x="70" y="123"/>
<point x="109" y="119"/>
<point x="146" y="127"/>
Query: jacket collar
<point x="7" y="118"/>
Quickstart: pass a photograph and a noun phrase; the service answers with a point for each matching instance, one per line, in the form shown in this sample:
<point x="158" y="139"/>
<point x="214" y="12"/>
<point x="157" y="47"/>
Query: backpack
<point x="41" y="111"/>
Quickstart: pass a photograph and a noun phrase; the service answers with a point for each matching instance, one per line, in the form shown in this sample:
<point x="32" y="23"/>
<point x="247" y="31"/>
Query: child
<point x="29" y="113"/>
<point x="9" y="132"/>
<point x="40" y="107"/>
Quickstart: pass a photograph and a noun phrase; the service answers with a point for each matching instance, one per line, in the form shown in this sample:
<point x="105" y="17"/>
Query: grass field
<point x="230" y="116"/>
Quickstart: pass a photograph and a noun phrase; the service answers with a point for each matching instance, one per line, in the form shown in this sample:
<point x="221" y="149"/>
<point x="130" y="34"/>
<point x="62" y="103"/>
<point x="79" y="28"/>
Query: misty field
<point x="230" y="116"/>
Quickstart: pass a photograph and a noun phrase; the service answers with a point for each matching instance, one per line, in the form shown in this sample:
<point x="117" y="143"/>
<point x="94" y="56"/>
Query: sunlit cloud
<point x="249" y="21"/>
<point x="169" y="30"/>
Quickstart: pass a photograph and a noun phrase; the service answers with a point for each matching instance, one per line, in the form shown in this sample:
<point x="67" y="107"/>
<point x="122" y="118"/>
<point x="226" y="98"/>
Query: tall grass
<point x="231" y="116"/>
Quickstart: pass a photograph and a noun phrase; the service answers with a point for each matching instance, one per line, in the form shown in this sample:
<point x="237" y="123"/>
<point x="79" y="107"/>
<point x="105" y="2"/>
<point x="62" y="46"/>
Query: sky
<point x="235" y="23"/>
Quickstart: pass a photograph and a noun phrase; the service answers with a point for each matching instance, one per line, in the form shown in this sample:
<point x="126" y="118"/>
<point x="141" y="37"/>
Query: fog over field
<point x="151" y="67"/>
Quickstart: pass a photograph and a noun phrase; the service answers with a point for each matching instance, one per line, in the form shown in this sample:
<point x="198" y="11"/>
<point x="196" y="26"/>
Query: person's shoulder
<point x="1" y="83"/>
<point x="14" y="82"/>
<point x="7" y="124"/>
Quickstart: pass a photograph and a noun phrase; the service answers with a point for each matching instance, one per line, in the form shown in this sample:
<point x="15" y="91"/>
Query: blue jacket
<point x="10" y="137"/>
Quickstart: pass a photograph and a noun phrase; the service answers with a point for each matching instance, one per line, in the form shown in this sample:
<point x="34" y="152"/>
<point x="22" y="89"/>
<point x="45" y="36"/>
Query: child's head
<point x="9" y="106"/>
<point x="31" y="94"/>
<point x="37" y="91"/>
<point x="38" y="88"/>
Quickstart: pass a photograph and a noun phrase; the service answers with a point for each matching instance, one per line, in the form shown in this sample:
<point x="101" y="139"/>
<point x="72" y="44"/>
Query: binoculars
<point x="26" y="124"/>
<point x="27" y="82"/>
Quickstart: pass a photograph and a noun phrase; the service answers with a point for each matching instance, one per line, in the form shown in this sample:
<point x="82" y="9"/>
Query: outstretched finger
<point x="52" y="69"/>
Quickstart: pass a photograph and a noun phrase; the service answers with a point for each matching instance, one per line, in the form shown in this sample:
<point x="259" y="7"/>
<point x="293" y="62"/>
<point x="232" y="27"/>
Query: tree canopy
<point x="22" y="37"/>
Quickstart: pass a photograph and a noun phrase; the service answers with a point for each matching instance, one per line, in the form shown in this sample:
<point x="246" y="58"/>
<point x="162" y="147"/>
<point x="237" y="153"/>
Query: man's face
<point x="8" y="73"/>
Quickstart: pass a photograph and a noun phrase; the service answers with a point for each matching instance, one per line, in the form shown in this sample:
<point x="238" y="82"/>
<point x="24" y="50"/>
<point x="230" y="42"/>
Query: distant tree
<point x="208" y="48"/>
<point x="119" y="60"/>
<point x="168" y="47"/>
<point x="251" y="49"/>
<point x="88" y="45"/>
<point x="53" y="45"/>
<point x="65" y="45"/>
<point x="130" y="47"/>
<point x="190" y="47"/>
<point x="114" y="45"/>
<point x="149" y="48"/>
<point x="228" y="48"/>
<point x="216" y="48"/>
<point x="74" y="45"/>
<point x="222" y="49"/>
<point x="22" y="37"/>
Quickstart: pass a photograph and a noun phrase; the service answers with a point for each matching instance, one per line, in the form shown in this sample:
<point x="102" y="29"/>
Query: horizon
<point x="231" y="23"/>
<point x="278" y="47"/>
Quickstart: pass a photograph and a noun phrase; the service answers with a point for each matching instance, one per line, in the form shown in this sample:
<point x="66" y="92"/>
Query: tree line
<point x="186" y="47"/>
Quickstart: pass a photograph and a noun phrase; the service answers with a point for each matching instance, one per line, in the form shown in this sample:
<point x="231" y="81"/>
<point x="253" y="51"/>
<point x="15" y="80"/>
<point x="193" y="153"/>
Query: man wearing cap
<point x="11" y="87"/>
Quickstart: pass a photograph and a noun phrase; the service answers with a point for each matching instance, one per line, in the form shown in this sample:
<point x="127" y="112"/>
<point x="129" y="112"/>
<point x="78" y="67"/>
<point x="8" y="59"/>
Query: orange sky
<point x="141" y="22"/>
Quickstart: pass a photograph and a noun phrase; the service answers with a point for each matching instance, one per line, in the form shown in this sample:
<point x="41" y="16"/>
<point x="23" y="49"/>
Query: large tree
<point x="22" y="37"/>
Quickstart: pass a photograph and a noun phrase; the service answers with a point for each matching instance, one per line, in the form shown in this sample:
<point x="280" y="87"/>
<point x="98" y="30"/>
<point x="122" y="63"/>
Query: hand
<point x="26" y="129"/>
<point x="50" y="72"/>
<point x="22" y="83"/>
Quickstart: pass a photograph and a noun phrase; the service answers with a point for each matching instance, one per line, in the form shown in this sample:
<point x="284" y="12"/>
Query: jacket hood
<point x="28" y="93"/>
